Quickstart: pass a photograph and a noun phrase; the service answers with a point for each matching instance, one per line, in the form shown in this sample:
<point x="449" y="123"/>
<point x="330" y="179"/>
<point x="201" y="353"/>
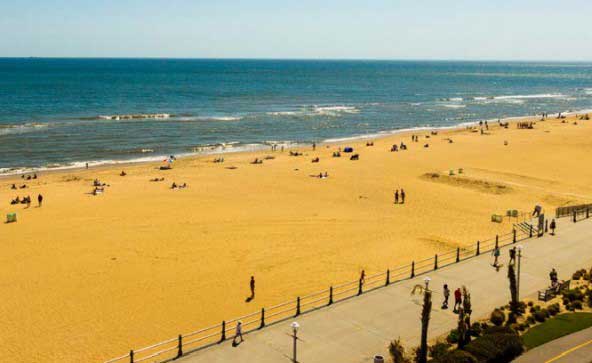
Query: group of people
<point x="457" y="298"/>
<point x="27" y="200"/>
<point x="29" y="177"/>
<point x="525" y="125"/>
<point x="400" y="195"/>
<point x="14" y="187"/>
<point x="396" y="148"/>
<point x="175" y="186"/>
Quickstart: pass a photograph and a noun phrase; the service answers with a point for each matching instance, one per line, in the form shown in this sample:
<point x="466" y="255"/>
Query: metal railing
<point x="568" y="211"/>
<point x="202" y="338"/>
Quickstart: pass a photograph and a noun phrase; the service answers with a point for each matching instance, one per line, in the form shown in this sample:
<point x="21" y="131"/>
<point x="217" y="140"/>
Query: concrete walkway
<point x="355" y="330"/>
<point x="573" y="348"/>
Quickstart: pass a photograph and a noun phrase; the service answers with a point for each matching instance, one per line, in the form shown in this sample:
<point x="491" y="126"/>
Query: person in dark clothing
<point x="252" y="285"/>
<point x="553" y="226"/>
<point x="397" y="196"/>
<point x="40" y="200"/>
<point x="457" y="300"/>
<point x="402" y="196"/>
<point x="446" y="296"/>
<point x="512" y="256"/>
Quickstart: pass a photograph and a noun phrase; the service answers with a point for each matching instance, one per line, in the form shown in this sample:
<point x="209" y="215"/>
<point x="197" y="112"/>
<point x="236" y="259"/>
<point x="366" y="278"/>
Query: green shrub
<point x="573" y="295"/>
<point x="497" y="317"/>
<point x="476" y="329"/>
<point x="577" y="305"/>
<point x="438" y="350"/>
<point x="540" y="316"/>
<point x="452" y="337"/>
<point x="397" y="352"/>
<point x="530" y="320"/>
<point x="589" y="295"/>
<point x="499" y="346"/>
<point x="554" y="309"/>
<point x="456" y="356"/>
<point x="511" y="319"/>
<point x="530" y="303"/>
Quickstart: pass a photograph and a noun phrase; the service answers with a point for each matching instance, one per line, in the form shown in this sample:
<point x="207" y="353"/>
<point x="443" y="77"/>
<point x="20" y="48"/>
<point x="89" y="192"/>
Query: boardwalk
<point x="355" y="330"/>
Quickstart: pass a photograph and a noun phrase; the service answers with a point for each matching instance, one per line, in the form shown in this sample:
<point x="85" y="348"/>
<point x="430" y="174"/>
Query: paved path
<point x="355" y="330"/>
<point x="573" y="348"/>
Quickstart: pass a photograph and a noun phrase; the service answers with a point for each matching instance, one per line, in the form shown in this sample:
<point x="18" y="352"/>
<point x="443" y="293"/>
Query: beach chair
<point x="10" y="217"/>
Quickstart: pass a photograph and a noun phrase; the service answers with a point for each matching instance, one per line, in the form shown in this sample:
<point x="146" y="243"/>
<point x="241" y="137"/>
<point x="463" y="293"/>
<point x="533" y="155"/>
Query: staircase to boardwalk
<point x="525" y="227"/>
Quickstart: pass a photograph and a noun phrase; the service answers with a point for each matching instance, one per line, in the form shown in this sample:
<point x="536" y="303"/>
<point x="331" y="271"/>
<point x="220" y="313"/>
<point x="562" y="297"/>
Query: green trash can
<point x="11" y="218"/>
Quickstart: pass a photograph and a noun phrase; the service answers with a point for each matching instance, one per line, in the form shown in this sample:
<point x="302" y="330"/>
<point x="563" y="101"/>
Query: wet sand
<point x="86" y="278"/>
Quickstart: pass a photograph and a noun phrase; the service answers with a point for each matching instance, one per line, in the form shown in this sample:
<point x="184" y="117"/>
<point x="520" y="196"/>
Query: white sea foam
<point x="22" y="128"/>
<point x="316" y="110"/>
<point x="454" y="106"/>
<point x="139" y="116"/>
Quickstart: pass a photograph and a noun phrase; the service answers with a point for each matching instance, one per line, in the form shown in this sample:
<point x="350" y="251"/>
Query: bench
<point x="549" y="293"/>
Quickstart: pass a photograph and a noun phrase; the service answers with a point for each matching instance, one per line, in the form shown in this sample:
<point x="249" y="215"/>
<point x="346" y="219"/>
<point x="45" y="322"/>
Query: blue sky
<point x="395" y="29"/>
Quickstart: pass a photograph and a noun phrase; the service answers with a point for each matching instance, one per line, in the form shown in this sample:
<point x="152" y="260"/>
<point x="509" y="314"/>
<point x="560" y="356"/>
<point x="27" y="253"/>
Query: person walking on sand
<point x="238" y="334"/>
<point x="397" y="196"/>
<point x="252" y="285"/>
<point x="28" y="199"/>
<point x="402" y="196"/>
<point x="362" y="277"/>
<point x="40" y="200"/>
<point x="314" y="146"/>
<point x="457" y="300"/>
<point x="553" y="226"/>
<point x="446" y="296"/>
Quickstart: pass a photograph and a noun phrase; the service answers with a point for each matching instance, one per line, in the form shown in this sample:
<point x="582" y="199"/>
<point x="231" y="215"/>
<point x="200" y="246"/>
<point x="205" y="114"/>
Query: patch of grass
<point x="556" y="327"/>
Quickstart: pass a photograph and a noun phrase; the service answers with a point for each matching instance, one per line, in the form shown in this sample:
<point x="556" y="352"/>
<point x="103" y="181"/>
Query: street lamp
<point x="295" y="327"/>
<point x="427" y="280"/>
<point x="519" y="248"/>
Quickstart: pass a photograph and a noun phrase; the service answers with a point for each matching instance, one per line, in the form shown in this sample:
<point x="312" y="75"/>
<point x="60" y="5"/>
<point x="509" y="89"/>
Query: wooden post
<point x="574" y="216"/>
<point x="297" y="306"/>
<point x="514" y="235"/>
<point x="478" y="245"/>
<point x="262" y="318"/>
<point x="546" y="225"/>
<point x="388" y="277"/>
<point x="457" y="254"/>
<point x="131" y="356"/>
<point x="180" y="347"/>
<point x="496" y="241"/>
<point x="360" y="287"/>
<point x="330" y="295"/>
<point x="436" y="262"/>
<point x="413" y="269"/>
<point x="587" y="213"/>
<point x="223" y="336"/>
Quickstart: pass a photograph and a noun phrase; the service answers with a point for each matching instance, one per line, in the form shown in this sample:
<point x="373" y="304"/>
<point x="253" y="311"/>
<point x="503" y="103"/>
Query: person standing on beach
<point x="238" y="333"/>
<point x="446" y="296"/>
<point x="314" y="146"/>
<point x="252" y="285"/>
<point x="28" y="199"/>
<point x="553" y="226"/>
<point x="397" y="196"/>
<point x="40" y="200"/>
<point x="457" y="300"/>
<point x="402" y="196"/>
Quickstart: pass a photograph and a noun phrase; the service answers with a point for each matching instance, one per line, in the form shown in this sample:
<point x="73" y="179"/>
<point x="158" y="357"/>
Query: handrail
<point x="324" y="297"/>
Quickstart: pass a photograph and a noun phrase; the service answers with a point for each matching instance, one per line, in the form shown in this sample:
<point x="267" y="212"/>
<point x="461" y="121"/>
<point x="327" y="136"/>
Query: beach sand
<point x="86" y="278"/>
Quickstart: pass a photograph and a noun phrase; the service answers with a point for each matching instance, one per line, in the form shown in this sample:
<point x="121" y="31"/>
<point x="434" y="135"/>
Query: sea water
<point x="57" y="113"/>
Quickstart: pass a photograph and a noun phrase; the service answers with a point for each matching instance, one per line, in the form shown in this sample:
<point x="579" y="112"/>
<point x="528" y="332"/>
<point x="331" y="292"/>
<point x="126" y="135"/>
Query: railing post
<point x="388" y="277"/>
<point x="514" y="235"/>
<point x="530" y="231"/>
<point x="180" y="347"/>
<point x="412" y="269"/>
<point x="574" y="216"/>
<point x="496" y="241"/>
<point x="457" y="254"/>
<point x="262" y="318"/>
<point x="131" y="356"/>
<point x="360" y="287"/>
<point x="478" y="245"/>
<point x="436" y="262"/>
<point x="587" y="213"/>
<point x="223" y="335"/>
<point x="298" y="306"/>
<point x="330" y="295"/>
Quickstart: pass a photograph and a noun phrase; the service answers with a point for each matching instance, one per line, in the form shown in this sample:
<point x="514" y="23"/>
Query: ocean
<point x="61" y="113"/>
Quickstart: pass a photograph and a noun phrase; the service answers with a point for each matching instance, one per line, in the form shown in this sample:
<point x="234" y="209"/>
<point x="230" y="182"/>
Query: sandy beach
<point x="86" y="278"/>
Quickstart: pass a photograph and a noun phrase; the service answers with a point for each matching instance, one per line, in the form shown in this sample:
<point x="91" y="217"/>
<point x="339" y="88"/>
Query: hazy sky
<point x="389" y="29"/>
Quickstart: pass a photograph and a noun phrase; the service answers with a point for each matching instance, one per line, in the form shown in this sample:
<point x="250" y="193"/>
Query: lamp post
<point x="519" y="248"/>
<point x="427" y="280"/>
<point x="295" y="327"/>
